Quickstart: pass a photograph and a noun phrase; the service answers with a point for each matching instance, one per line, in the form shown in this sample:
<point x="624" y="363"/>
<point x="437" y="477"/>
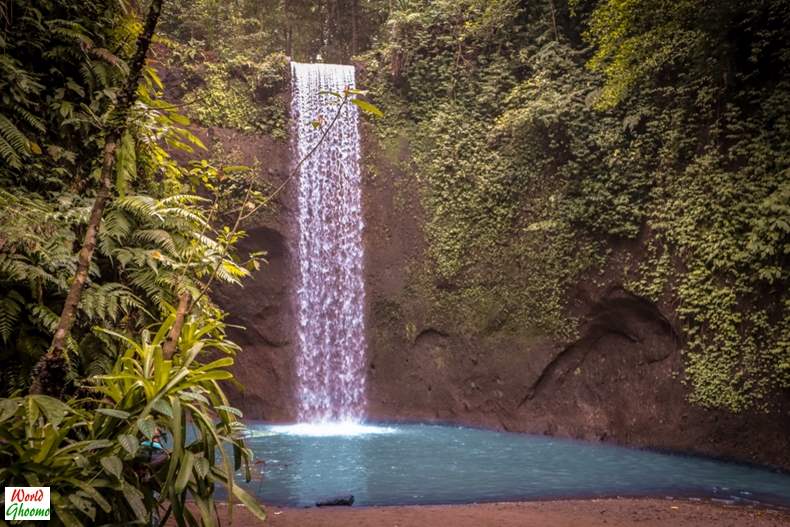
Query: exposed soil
<point x="588" y="513"/>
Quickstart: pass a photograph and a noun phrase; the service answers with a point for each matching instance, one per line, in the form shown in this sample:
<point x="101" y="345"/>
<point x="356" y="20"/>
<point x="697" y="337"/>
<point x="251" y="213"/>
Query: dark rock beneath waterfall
<point x="340" y="501"/>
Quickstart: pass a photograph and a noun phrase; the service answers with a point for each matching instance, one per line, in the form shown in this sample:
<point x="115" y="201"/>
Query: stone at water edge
<point x="340" y="501"/>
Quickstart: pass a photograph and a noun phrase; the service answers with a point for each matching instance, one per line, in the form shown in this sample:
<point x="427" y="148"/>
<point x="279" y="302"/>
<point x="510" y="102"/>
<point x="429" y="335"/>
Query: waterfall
<point x="330" y="298"/>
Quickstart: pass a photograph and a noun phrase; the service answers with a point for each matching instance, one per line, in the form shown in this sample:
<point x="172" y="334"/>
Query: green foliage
<point x="91" y="451"/>
<point x="240" y="90"/>
<point x="720" y="172"/>
<point x="307" y="31"/>
<point x="58" y="80"/>
<point x="636" y="41"/>
<point x="500" y="258"/>
<point x="542" y="133"/>
<point x="157" y="238"/>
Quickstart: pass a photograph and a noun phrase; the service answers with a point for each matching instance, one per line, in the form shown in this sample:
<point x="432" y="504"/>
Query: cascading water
<point x="331" y="296"/>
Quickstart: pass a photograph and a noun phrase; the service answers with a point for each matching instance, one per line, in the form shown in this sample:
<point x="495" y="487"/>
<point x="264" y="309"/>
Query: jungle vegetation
<point x="546" y="137"/>
<point x="542" y="136"/>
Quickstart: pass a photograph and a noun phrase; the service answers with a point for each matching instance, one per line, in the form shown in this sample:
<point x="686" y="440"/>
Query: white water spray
<point x="330" y="298"/>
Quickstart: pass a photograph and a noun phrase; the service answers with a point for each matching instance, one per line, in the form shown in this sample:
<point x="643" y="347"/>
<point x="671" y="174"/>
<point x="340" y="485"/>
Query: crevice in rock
<point x="619" y="313"/>
<point x="271" y="343"/>
<point x="429" y="333"/>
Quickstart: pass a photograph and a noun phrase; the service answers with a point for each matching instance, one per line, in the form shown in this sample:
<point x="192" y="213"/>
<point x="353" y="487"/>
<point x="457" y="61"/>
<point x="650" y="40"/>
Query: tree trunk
<point x="169" y="347"/>
<point x="86" y="252"/>
<point x="118" y="124"/>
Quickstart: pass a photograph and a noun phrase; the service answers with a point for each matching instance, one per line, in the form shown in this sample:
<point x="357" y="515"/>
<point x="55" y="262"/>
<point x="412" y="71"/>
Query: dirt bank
<point x="587" y="513"/>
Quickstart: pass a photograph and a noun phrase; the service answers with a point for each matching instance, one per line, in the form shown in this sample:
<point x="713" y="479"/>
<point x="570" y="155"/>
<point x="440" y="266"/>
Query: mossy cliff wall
<point x="578" y="220"/>
<point x="600" y="363"/>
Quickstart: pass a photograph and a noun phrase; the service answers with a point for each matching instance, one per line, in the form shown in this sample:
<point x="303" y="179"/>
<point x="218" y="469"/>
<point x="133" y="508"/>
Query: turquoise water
<point x="431" y="464"/>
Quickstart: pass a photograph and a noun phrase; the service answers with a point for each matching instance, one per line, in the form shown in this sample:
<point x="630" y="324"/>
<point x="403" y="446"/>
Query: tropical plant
<point x="156" y="240"/>
<point x="91" y="451"/>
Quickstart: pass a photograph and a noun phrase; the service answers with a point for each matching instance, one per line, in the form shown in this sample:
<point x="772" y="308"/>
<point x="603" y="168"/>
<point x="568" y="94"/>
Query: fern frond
<point x="13" y="143"/>
<point x="13" y="135"/>
<point x="185" y="213"/>
<point x="158" y="237"/>
<point x="30" y="119"/>
<point x="9" y="155"/>
<point x="102" y="74"/>
<point x="183" y="199"/>
<point x="116" y="224"/>
<point x="231" y="273"/>
<point x="147" y="280"/>
<point x="12" y="268"/>
<point x="10" y="308"/>
<point x="143" y="207"/>
<point x="87" y="76"/>
<point x="24" y="81"/>
<point x="71" y="31"/>
<point x="43" y="317"/>
<point x="108" y="302"/>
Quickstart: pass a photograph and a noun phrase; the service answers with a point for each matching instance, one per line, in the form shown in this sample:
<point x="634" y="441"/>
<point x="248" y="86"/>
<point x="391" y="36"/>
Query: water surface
<point x="432" y="464"/>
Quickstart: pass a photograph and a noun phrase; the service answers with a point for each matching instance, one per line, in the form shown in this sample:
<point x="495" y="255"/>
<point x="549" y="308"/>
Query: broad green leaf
<point x="61" y="509"/>
<point x="8" y="408"/>
<point x="83" y="504"/>
<point x="185" y="471"/>
<point x="224" y="362"/>
<point x="129" y="443"/>
<point x="230" y="410"/>
<point x="112" y="412"/>
<point x="135" y="500"/>
<point x="202" y="466"/>
<point x="163" y="407"/>
<point x="147" y="426"/>
<point x="367" y="107"/>
<point x="220" y="375"/>
<point x="91" y="491"/>
<point x="51" y="436"/>
<point x="112" y="465"/>
<point x="250" y="502"/>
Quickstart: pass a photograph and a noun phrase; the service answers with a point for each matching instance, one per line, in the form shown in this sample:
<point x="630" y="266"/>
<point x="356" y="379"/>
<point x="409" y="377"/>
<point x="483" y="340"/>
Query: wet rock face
<point x="264" y="368"/>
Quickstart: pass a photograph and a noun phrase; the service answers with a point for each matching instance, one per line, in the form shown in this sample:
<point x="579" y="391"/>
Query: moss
<point x="530" y="162"/>
<point x="236" y="91"/>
